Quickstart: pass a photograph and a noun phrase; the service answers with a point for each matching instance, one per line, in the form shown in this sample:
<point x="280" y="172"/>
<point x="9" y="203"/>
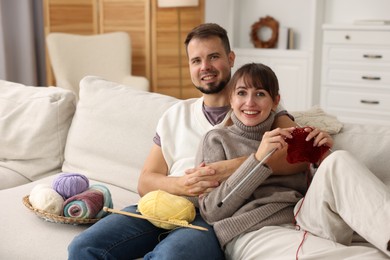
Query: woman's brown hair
<point x="258" y="76"/>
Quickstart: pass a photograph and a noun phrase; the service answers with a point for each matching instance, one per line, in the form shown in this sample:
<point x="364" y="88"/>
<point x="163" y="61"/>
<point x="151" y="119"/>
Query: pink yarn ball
<point x="70" y="184"/>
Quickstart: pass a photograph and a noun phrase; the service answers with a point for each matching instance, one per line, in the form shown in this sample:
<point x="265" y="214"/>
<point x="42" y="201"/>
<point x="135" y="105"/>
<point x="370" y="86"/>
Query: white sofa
<point x="106" y="136"/>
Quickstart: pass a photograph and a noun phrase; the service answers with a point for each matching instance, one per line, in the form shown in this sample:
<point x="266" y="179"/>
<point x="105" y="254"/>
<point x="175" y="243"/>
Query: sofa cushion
<point x="368" y="143"/>
<point x="34" y="123"/>
<point x="112" y="131"/>
<point x="26" y="236"/>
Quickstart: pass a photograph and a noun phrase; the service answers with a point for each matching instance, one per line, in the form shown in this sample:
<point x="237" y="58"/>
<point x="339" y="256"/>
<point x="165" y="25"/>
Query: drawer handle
<point x="372" y="56"/>
<point x="369" y="102"/>
<point x="371" y="78"/>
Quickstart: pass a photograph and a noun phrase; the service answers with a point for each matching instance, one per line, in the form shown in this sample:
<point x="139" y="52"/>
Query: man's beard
<point x="213" y="89"/>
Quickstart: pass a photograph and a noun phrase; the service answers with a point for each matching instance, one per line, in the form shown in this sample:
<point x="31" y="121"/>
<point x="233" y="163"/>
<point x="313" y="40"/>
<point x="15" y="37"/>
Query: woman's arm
<point x="213" y="150"/>
<point x="225" y="168"/>
<point x="209" y="204"/>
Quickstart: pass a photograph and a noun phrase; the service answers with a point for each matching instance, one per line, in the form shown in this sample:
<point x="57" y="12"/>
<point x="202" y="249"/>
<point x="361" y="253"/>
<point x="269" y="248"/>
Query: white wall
<point x="347" y="11"/>
<point x="220" y="11"/>
<point x="237" y="16"/>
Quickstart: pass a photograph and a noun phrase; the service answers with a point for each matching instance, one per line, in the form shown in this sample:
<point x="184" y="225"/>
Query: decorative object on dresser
<point x="260" y="32"/>
<point x="356" y="73"/>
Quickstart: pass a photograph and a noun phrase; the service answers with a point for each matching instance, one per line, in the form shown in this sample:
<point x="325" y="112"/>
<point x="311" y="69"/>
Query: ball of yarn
<point x="165" y="206"/>
<point x="89" y="204"/>
<point x="43" y="197"/>
<point x="70" y="184"/>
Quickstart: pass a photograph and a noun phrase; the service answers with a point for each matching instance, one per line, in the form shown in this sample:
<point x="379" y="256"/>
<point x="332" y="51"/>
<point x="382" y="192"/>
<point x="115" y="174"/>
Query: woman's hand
<point x="319" y="137"/>
<point x="273" y="140"/>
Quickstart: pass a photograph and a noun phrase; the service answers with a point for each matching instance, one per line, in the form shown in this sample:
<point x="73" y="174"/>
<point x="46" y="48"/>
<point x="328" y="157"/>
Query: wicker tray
<point x="55" y="218"/>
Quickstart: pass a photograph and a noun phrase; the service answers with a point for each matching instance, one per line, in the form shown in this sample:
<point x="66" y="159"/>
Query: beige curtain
<point x="22" y="42"/>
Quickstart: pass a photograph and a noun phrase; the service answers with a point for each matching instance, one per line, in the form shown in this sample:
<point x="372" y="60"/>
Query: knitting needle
<point x="106" y="209"/>
<point x="246" y="177"/>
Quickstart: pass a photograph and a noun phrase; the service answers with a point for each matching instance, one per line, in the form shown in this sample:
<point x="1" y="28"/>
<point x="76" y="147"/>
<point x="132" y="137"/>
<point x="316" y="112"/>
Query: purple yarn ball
<point x="70" y="184"/>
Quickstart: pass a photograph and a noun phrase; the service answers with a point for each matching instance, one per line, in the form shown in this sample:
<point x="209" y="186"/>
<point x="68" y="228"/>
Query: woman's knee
<point x="336" y="160"/>
<point x="339" y="155"/>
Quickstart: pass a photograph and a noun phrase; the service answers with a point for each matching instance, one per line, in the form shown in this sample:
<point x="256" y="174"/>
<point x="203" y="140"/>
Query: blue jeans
<point x="121" y="237"/>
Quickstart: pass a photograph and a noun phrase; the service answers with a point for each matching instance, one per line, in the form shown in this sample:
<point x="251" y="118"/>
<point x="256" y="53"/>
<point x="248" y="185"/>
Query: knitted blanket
<point x="89" y="204"/>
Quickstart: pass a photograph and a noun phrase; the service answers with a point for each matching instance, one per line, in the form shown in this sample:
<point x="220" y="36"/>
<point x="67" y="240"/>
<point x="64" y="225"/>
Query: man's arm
<point x="283" y="121"/>
<point x="218" y="172"/>
<point x="154" y="176"/>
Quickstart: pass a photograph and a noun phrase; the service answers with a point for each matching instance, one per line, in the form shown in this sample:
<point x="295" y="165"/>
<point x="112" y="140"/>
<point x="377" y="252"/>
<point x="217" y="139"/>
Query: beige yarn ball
<point x="43" y="197"/>
<point x="165" y="206"/>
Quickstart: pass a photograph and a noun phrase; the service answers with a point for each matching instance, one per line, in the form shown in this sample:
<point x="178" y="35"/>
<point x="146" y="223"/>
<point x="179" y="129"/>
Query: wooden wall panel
<point x="170" y="26"/>
<point x="157" y="35"/>
<point x="69" y="16"/>
<point x="132" y="16"/>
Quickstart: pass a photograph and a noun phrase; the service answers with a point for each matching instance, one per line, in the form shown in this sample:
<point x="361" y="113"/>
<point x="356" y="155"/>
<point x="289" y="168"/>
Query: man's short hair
<point x="208" y="30"/>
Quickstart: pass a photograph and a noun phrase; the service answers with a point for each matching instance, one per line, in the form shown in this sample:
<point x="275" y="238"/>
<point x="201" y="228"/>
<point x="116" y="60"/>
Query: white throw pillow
<point x="112" y="131"/>
<point x="34" y="123"/>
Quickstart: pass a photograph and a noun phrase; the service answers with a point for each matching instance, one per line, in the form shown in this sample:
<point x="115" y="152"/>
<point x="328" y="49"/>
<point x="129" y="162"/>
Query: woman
<point x="267" y="199"/>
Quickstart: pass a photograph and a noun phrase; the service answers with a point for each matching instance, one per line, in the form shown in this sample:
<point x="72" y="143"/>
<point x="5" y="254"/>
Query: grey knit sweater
<point x="262" y="200"/>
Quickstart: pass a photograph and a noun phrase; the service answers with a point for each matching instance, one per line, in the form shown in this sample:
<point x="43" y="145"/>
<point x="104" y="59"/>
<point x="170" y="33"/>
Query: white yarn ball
<point x="40" y="186"/>
<point x="45" y="198"/>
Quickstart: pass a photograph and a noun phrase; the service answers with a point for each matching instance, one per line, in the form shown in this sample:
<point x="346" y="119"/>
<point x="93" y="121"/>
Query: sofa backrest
<point x="370" y="144"/>
<point x="34" y="123"/>
<point x="112" y="131"/>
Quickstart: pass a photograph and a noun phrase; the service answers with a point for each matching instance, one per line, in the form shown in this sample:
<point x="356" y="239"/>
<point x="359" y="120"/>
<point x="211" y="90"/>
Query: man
<point x="170" y="163"/>
<point x="210" y="62"/>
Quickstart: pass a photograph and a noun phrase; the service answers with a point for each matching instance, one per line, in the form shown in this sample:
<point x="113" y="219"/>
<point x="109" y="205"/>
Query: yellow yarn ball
<point x="165" y="206"/>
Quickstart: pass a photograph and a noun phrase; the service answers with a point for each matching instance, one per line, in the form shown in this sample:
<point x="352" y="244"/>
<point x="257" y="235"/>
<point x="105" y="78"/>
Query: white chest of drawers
<point x="355" y="82"/>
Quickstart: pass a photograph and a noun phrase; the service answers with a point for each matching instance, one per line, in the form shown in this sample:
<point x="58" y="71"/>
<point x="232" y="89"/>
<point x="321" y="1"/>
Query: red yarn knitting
<point x="300" y="150"/>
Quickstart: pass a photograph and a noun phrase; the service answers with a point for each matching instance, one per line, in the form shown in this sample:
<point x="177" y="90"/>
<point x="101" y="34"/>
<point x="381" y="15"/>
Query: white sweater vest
<point x="180" y="129"/>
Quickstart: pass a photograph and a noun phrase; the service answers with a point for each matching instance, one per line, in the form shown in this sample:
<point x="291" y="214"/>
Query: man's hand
<point x="200" y="180"/>
<point x="205" y="178"/>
